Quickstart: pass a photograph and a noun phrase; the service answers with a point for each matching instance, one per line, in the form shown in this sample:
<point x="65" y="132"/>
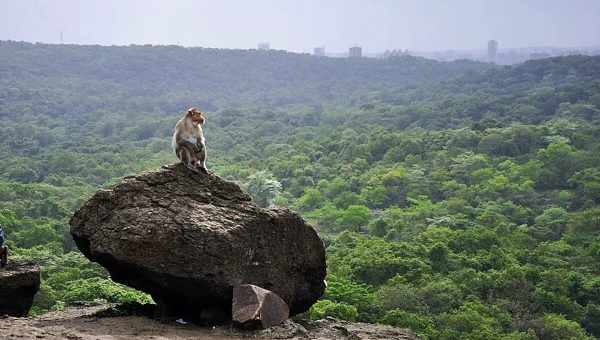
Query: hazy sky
<point x="300" y="25"/>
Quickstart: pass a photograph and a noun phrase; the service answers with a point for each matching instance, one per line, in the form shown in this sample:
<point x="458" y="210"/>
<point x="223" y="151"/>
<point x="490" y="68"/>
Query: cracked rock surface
<point x="187" y="239"/>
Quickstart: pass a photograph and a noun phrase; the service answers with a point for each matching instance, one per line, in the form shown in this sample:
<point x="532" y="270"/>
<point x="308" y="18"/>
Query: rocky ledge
<point x="188" y="239"/>
<point x="19" y="282"/>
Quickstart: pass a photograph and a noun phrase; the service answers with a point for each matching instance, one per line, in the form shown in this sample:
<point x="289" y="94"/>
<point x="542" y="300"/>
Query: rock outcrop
<point x="188" y="239"/>
<point x="19" y="282"/>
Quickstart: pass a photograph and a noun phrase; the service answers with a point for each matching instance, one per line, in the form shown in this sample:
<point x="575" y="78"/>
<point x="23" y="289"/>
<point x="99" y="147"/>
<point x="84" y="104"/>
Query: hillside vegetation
<point x="460" y="200"/>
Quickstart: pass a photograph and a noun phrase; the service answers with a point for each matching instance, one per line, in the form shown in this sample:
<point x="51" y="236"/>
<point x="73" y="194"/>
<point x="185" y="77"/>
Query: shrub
<point x="326" y="308"/>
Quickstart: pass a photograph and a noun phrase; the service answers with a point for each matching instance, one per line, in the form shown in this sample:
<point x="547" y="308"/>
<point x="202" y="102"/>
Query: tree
<point x="325" y="308"/>
<point x="438" y="257"/>
<point x="354" y="217"/>
<point x="378" y="227"/>
<point x="496" y="144"/>
<point x="588" y="184"/>
<point x="263" y="188"/>
<point x="474" y="320"/>
<point x="398" y="294"/>
<point x="440" y="296"/>
<point x="560" y="163"/>
<point x="591" y="319"/>
<point x="310" y="200"/>
<point x="556" y="327"/>
<point x="551" y="224"/>
<point x="422" y="325"/>
<point x="342" y="290"/>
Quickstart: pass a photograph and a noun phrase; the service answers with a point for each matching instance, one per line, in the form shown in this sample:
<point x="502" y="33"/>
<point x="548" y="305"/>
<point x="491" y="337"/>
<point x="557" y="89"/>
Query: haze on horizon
<point x="416" y="25"/>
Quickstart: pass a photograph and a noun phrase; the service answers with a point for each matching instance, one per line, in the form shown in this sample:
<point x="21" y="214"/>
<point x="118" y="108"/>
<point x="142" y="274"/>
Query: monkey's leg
<point x="189" y="158"/>
<point x="202" y="158"/>
<point x="183" y="154"/>
<point x="189" y="154"/>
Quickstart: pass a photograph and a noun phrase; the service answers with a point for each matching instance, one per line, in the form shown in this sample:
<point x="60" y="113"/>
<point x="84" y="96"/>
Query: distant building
<point x="492" y="50"/>
<point x="394" y="53"/>
<point x="355" y="52"/>
<point x="319" y="51"/>
<point x="265" y="46"/>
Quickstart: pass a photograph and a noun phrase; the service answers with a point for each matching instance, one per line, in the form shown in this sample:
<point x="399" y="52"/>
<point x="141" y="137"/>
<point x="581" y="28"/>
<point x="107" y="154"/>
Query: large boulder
<point x="188" y="239"/>
<point x="19" y="282"/>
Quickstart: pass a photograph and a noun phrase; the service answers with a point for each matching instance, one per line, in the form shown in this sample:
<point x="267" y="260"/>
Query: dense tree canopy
<point x="457" y="199"/>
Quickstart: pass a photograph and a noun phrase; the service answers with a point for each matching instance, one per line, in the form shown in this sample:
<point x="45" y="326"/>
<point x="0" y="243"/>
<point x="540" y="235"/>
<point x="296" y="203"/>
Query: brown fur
<point x="188" y="140"/>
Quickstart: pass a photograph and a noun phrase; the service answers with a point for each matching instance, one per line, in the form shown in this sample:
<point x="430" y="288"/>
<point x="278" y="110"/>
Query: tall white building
<point x="492" y="50"/>
<point x="319" y="51"/>
<point x="265" y="46"/>
<point x="355" y="52"/>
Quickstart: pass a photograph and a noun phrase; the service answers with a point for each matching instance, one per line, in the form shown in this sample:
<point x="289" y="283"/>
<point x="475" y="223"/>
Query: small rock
<point x="255" y="307"/>
<point x="19" y="282"/>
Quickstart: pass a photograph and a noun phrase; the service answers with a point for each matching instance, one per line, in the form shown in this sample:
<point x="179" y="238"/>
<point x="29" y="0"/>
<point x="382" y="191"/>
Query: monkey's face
<point x="195" y="116"/>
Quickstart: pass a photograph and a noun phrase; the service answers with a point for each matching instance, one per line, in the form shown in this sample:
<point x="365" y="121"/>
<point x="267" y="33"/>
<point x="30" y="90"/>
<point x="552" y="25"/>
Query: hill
<point x="167" y="77"/>
<point x="456" y="199"/>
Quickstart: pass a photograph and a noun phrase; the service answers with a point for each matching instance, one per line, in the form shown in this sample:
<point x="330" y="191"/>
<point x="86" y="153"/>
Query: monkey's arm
<point x="177" y="137"/>
<point x="186" y="143"/>
<point x="197" y="149"/>
<point x="180" y="141"/>
<point x="199" y="146"/>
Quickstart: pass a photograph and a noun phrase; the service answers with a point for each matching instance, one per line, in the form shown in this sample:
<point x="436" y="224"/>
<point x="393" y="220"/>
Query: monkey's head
<point x="195" y="116"/>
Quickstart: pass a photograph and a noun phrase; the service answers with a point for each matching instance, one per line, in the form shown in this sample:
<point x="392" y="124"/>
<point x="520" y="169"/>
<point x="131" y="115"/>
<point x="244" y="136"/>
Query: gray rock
<point x="188" y="239"/>
<point x="19" y="282"/>
<point x="254" y="307"/>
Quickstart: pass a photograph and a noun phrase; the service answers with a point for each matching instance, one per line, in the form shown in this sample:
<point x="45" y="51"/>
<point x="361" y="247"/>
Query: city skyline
<point x="376" y="26"/>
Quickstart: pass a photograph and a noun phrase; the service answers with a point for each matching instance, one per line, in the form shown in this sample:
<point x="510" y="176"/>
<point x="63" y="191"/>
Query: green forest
<point x="458" y="199"/>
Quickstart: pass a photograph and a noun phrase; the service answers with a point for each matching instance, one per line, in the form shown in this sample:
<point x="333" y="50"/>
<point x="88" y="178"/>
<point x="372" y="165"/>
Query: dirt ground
<point x="87" y="323"/>
<point x="79" y="323"/>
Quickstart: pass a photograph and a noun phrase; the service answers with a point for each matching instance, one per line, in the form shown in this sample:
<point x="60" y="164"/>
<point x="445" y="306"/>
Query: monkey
<point x="188" y="140"/>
